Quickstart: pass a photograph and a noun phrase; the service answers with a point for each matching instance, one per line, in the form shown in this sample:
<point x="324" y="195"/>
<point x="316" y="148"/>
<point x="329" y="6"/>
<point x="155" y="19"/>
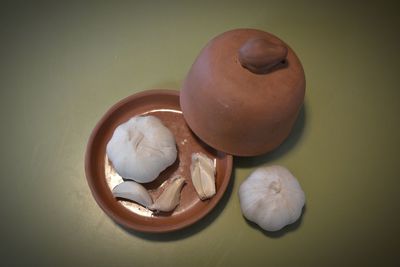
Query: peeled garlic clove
<point x="202" y="171"/>
<point x="169" y="198"/>
<point x="271" y="197"/>
<point x="133" y="191"/>
<point x="141" y="148"/>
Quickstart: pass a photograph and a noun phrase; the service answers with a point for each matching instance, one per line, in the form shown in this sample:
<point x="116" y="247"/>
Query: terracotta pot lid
<point x="243" y="93"/>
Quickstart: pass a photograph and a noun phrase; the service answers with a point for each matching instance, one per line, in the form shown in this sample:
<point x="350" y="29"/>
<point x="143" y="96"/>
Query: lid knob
<point x="261" y="56"/>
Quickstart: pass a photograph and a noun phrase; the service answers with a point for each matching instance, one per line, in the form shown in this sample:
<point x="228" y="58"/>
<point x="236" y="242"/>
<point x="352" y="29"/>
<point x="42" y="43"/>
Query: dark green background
<point x="63" y="65"/>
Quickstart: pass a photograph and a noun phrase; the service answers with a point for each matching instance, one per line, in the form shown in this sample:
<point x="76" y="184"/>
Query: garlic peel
<point x="202" y="171"/>
<point x="133" y="191"/>
<point x="271" y="197"/>
<point x="141" y="148"/>
<point x="169" y="198"/>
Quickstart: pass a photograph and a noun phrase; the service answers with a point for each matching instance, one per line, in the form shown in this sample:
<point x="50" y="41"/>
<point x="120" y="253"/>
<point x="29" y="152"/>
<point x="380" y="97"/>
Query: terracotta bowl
<point x="102" y="177"/>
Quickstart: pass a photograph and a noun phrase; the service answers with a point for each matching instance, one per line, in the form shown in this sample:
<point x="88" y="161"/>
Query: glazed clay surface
<point x="243" y="93"/>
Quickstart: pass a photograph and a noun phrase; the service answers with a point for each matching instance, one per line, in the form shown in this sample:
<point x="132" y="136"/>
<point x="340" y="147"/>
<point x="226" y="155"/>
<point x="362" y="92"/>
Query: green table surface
<point x="64" y="64"/>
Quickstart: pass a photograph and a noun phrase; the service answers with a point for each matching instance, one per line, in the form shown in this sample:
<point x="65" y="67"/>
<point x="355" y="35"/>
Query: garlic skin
<point x="202" y="171"/>
<point x="133" y="191"/>
<point x="141" y="148"/>
<point x="271" y="197"/>
<point x="169" y="198"/>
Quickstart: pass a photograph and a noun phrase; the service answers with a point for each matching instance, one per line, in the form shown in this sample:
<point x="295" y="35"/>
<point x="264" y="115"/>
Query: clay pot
<point x="243" y="93"/>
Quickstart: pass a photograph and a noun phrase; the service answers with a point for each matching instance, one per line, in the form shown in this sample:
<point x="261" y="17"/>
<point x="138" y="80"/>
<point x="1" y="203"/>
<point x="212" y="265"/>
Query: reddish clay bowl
<point x="102" y="177"/>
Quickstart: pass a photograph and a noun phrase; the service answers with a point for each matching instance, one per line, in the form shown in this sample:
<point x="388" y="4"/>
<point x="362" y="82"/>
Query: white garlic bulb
<point x="141" y="148"/>
<point x="202" y="171"/>
<point x="271" y="197"/>
<point x="169" y="198"/>
<point x="133" y="191"/>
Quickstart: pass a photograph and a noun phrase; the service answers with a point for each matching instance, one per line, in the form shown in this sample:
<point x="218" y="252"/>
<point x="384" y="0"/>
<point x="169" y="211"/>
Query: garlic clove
<point x="134" y="192"/>
<point x="169" y="198"/>
<point x="202" y="171"/>
<point x="271" y="197"/>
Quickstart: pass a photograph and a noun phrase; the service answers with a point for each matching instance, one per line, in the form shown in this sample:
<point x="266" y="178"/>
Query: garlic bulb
<point x="133" y="191"/>
<point x="271" y="197"/>
<point x="169" y="198"/>
<point x="202" y="171"/>
<point x="141" y="148"/>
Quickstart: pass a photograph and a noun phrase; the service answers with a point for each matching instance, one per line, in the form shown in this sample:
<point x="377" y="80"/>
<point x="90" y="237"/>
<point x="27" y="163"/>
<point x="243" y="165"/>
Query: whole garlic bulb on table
<point x="271" y="197"/>
<point x="141" y="148"/>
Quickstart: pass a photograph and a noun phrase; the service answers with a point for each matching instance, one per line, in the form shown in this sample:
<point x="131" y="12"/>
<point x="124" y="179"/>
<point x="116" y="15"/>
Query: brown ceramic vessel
<point x="243" y="93"/>
<point x="102" y="177"/>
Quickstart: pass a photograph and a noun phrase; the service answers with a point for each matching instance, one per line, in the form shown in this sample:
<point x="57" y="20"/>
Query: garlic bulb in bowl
<point x="271" y="197"/>
<point x="141" y="148"/>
